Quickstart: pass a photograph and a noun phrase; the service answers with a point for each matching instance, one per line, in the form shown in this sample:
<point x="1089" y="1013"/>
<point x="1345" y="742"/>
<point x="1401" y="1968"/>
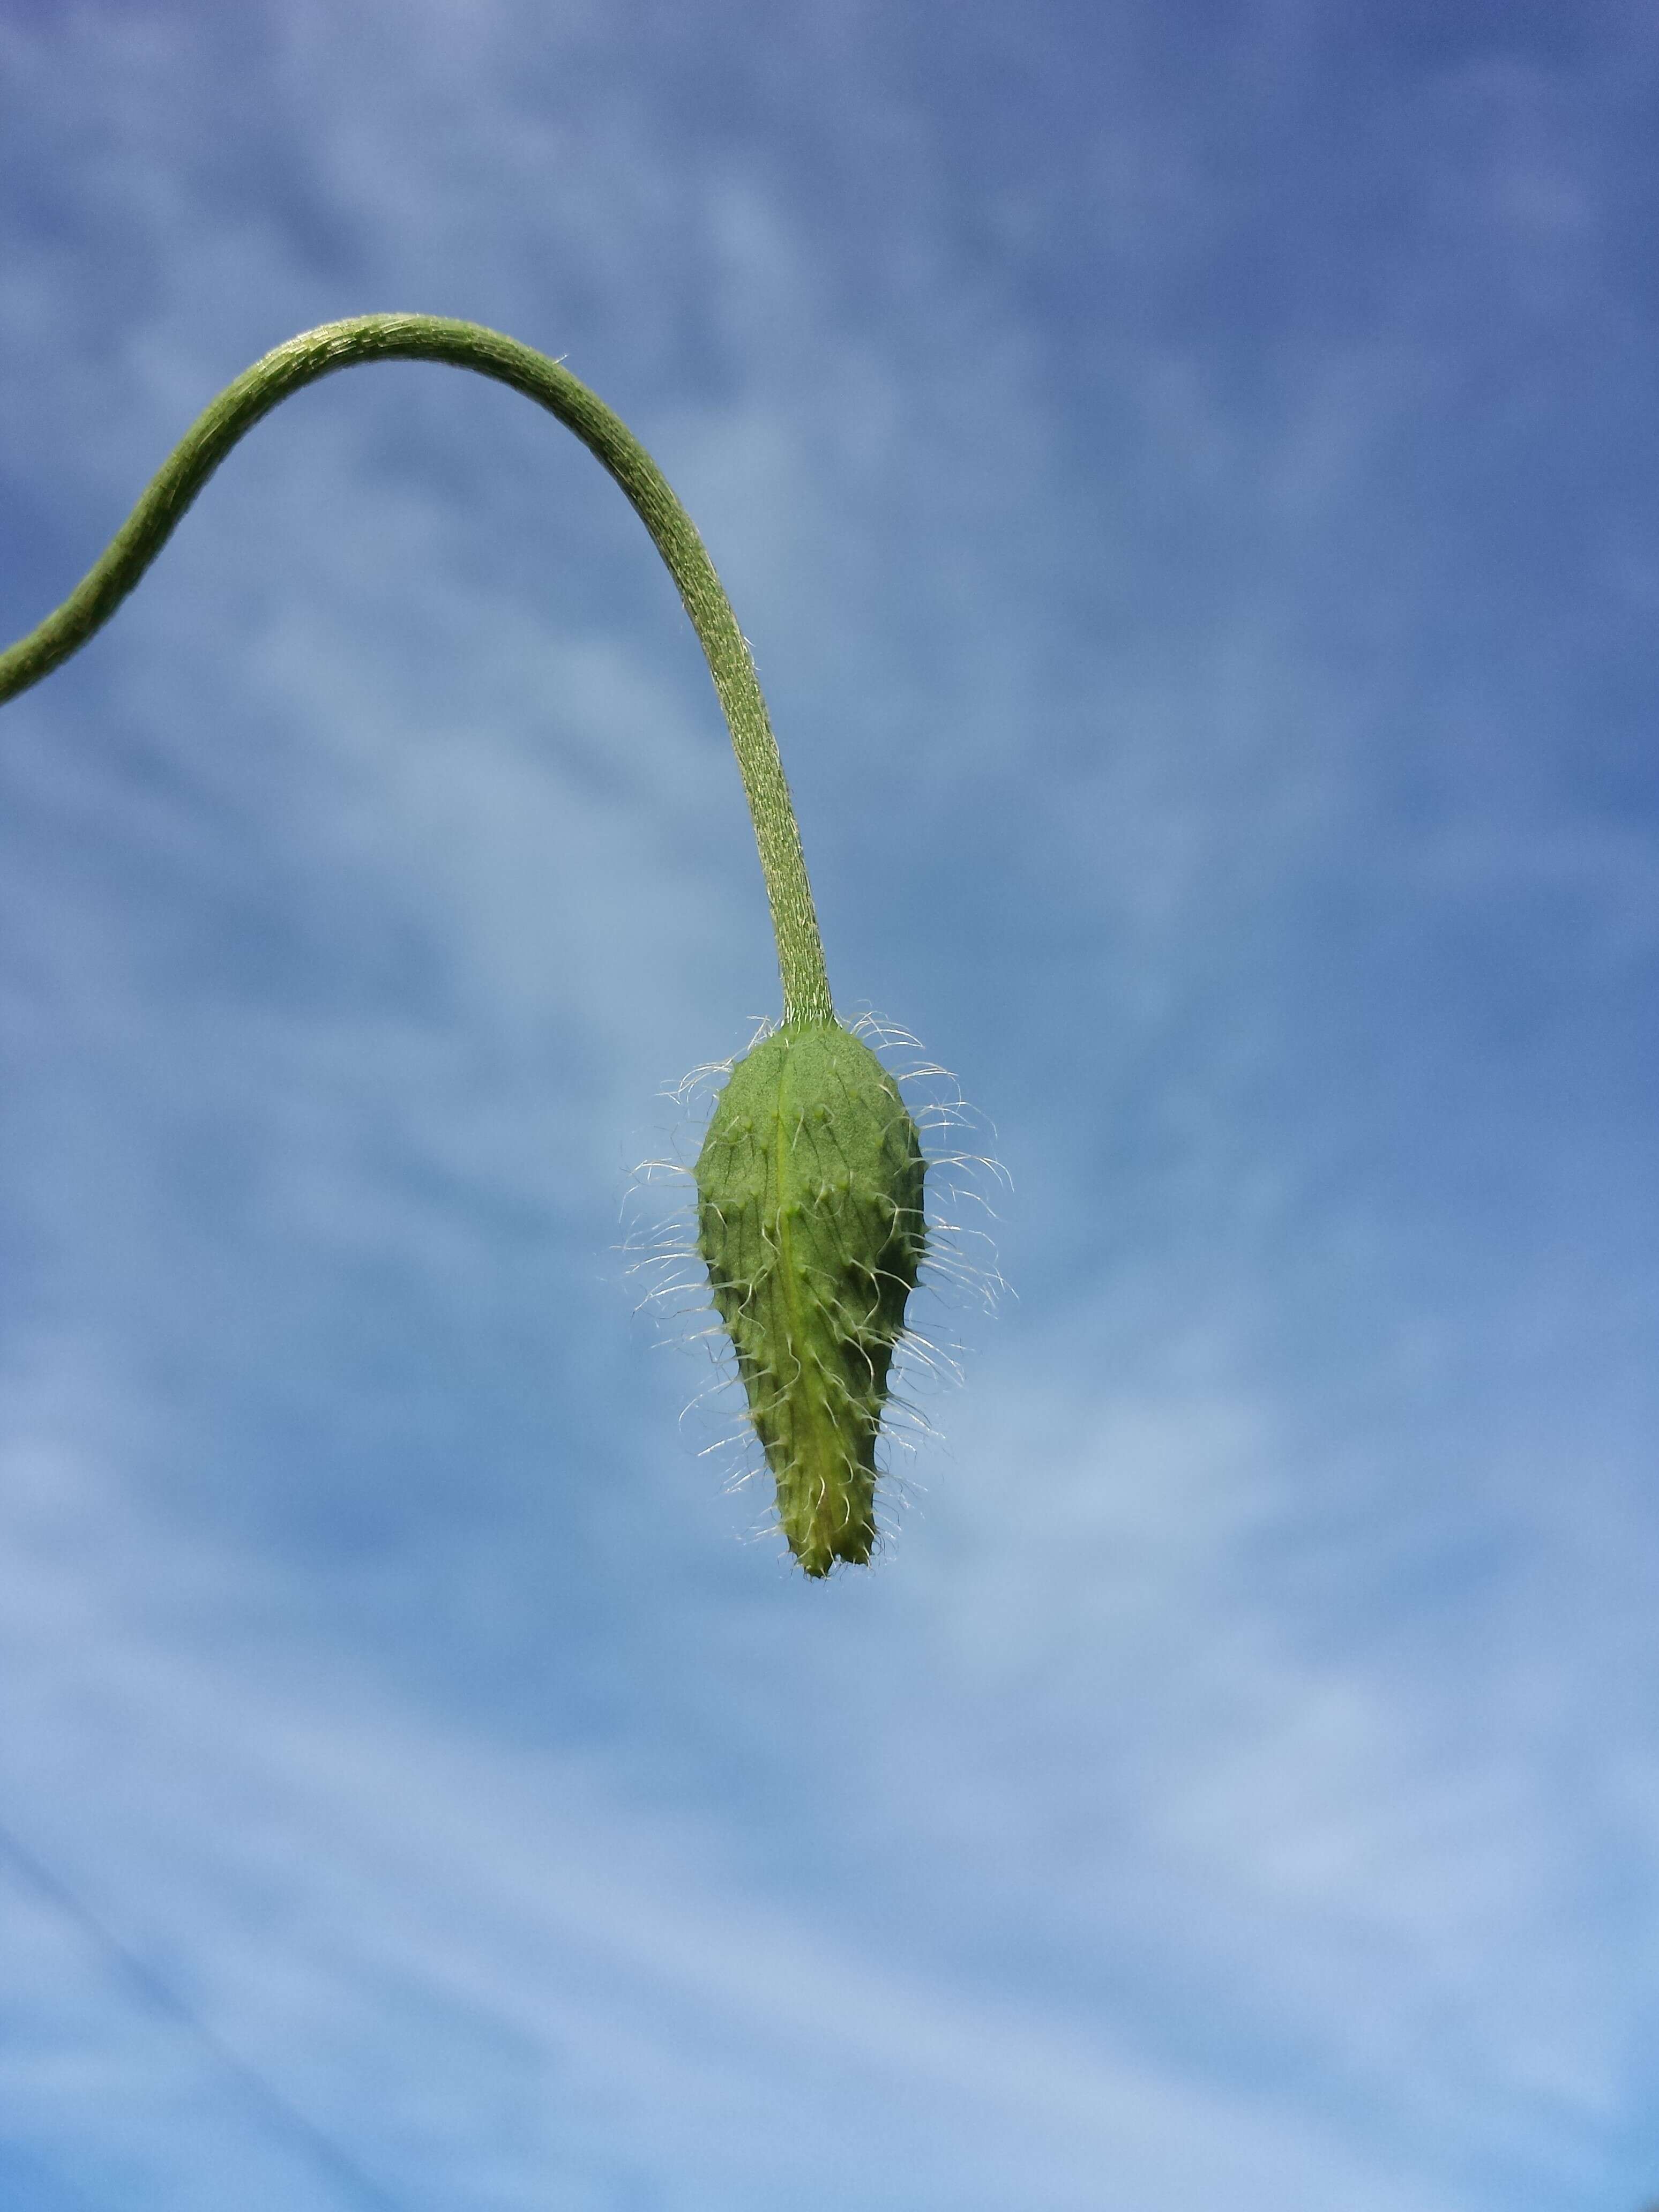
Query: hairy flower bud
<point x="809" y="1181"/>
<point x="810" y="1220"/>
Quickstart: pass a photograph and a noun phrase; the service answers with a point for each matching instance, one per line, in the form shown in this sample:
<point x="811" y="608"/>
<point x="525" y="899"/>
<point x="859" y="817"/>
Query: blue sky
<point x="1189" y="476"/>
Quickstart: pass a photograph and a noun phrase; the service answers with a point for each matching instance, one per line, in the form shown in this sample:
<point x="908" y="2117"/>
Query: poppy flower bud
<point x="810" y="1181"/>
<point x="810" y="1224"/>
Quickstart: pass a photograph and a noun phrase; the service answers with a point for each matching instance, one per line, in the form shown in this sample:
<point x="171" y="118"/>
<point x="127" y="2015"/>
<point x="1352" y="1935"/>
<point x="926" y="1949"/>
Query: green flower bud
<point x="810" y="1221"/>
<point x="810" y="1182"/>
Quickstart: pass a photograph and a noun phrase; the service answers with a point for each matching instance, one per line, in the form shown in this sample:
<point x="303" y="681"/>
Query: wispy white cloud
<point x="314" y="1866"/>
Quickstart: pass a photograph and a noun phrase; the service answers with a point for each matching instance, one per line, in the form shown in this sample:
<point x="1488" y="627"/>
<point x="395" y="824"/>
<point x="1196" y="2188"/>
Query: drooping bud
<point x="810" y="1223"/>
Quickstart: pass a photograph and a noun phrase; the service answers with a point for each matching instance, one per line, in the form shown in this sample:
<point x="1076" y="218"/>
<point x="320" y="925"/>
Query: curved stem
<point x="467" y="346"/>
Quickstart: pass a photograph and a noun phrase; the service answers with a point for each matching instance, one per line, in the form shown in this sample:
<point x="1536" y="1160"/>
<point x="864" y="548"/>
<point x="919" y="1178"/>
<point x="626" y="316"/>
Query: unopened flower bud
<point x="810" y="1223"/>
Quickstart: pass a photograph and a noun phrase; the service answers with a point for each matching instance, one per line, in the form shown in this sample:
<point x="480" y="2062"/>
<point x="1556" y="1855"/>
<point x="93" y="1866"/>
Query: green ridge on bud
<point x="810" y="1220"/>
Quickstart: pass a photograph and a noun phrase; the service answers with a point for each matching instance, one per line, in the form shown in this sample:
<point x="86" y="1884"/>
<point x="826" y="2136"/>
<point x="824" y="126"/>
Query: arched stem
<point x="467" y="346"/>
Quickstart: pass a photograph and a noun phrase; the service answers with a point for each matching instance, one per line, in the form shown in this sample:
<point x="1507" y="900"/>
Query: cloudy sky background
<point x="1190" y="476"/>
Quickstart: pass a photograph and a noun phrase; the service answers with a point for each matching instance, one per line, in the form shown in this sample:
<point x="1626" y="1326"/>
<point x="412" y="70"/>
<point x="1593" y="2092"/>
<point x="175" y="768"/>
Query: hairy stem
<point x="467" y="346"/>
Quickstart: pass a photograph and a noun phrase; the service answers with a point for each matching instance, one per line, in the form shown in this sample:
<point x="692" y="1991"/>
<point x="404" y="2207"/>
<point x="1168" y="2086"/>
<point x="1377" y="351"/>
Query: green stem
<point x="467" y="346"/>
